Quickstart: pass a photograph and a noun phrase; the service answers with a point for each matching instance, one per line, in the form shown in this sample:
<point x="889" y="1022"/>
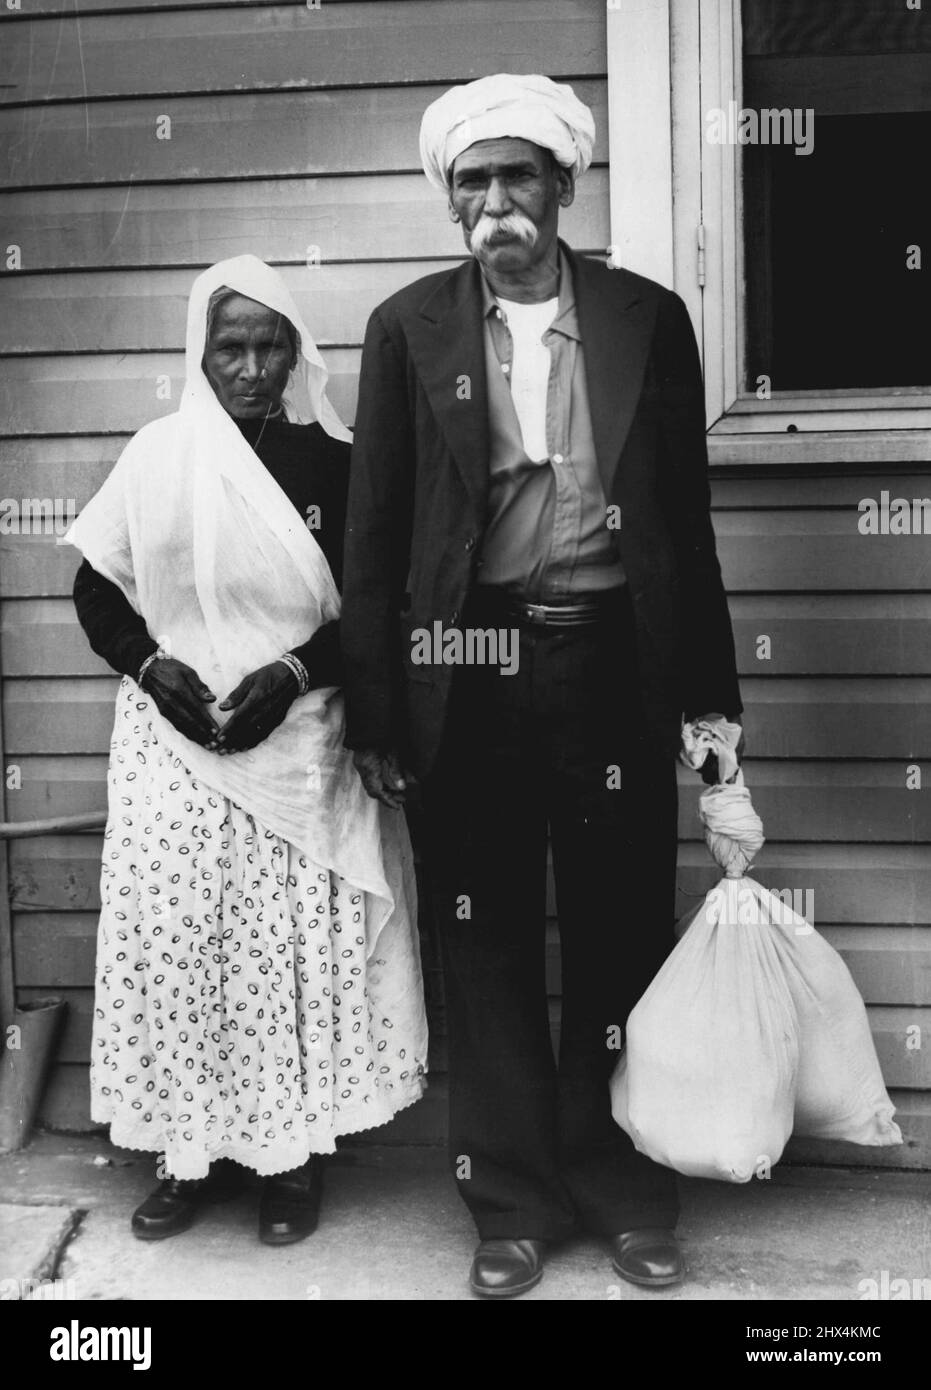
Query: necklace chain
<point x="269" y="415"/>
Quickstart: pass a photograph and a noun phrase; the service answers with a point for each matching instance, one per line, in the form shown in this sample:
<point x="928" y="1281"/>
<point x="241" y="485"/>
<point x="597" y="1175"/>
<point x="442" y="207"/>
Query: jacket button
<point x="454" y="616"/>
<point x="470" y="543"/>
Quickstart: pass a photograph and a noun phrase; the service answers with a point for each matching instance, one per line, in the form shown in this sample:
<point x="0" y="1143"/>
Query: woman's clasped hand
<point x="260" y="703"/>
<point x="181" y="696"/>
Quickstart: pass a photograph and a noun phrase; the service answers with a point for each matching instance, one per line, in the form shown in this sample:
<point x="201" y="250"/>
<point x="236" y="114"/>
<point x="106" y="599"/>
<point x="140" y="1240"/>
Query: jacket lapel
<point x="616" y="325"/>
<point x="446" y="342"/>
<point x="447" y="345"/>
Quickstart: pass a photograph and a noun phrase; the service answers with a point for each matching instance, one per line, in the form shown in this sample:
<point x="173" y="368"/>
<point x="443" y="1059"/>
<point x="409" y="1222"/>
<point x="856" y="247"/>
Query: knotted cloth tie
<point x="733" y="830"/>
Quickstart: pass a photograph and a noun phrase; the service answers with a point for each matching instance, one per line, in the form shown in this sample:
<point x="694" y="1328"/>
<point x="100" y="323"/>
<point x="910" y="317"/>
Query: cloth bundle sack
<point x="753" y="1028"/>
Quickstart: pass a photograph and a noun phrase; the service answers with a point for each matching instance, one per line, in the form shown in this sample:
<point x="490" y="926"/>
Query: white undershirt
<point x="530" y="369"/>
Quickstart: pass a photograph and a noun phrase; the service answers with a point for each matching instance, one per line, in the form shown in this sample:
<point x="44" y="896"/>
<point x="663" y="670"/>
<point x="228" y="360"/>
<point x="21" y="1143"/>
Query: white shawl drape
<point x="206" y="546"/>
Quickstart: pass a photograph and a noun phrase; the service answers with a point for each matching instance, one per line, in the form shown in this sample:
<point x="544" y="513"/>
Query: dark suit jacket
<point x="419" y="487"/>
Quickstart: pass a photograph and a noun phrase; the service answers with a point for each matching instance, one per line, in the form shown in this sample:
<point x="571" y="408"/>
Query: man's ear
<point x="565" y="180"/>
<point x="453" y="214"/>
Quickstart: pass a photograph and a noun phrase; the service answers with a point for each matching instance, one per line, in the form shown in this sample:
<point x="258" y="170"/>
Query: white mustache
<point x="513" y="223"/>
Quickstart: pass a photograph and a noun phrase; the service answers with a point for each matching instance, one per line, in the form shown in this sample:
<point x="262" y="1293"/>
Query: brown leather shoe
<point x="506" y="1268"/>
<point x="650" y="1256"/>
<point x="290" y="1206"/>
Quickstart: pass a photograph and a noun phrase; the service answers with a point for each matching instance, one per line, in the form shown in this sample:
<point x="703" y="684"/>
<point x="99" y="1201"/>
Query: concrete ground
<point x="392" y="1228"/>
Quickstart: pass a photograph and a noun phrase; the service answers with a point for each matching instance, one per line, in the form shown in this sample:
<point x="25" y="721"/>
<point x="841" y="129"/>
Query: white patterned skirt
<point x="236" y="1014"/>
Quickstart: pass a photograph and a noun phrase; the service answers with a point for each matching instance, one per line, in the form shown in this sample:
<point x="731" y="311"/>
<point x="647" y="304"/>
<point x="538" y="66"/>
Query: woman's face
<point x="248" y="357"/>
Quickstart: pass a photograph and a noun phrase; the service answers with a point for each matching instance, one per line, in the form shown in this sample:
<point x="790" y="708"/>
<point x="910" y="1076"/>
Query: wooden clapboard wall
<point x="293" y="134"/>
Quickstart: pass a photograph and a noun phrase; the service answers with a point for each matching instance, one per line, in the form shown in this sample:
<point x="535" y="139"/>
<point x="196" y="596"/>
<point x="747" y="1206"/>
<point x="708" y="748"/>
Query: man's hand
<point x="180" y="695"/>
<point x="261" y="701"/>
<point x="381" y="776"/>
<point x="709" y="768"/>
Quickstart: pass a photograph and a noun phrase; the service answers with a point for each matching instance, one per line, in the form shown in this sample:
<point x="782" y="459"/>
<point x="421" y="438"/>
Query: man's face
<point x="507" y="194"/>
<point x="248" y="357"/>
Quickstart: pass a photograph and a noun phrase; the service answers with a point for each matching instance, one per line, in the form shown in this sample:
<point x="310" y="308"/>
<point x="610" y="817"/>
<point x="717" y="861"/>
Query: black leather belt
<point x="593" y="608"/>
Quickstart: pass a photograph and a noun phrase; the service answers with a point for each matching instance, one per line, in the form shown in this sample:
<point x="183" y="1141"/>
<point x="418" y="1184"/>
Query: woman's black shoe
<point x="170" y="1209"/>
<point x="175" y="1203"/>
<point x="290" y="1204"/>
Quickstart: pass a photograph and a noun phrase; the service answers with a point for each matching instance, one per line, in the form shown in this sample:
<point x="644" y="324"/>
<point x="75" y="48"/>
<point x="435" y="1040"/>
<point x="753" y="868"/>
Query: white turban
<point x="525" y="107"/>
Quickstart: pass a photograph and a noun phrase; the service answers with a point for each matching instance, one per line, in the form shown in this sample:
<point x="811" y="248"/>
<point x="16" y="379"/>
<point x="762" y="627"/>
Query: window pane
<point x="833" y="27"/>
<point x="831" y="299"/>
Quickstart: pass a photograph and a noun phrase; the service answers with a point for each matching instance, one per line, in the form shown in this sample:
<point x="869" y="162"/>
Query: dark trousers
<point x="533" y="1146"/>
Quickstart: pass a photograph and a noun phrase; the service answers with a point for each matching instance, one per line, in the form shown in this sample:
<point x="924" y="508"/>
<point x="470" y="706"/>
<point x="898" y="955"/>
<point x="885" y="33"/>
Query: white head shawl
<point x="210" y="551"/>
<point x="305" y="398"/>
<point x="526" y="107"/>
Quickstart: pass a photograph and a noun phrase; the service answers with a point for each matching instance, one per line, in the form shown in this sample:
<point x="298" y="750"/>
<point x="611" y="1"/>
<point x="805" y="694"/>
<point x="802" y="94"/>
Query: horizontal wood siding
<point x="294" y="135"/>
<point x="186" y="50"/>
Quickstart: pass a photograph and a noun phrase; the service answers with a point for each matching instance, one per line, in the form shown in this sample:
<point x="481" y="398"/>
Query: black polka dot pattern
<point x="235" y="1013"/>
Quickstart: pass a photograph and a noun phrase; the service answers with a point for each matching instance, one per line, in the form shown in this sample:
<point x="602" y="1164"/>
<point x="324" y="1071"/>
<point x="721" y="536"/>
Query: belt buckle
<point x="534" y="613"/>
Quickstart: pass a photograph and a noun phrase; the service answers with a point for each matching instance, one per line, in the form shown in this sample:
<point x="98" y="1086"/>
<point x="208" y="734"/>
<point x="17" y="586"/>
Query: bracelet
<point x="298" y="670"/>
<point x="146" y="664"/>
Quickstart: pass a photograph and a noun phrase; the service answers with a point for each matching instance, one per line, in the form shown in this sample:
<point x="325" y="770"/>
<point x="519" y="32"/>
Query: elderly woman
<point x="258" y="981"/>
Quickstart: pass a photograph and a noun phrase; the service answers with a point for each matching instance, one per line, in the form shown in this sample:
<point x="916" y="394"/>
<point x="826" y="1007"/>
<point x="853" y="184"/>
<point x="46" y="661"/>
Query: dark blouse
<point x="313" y="471"/>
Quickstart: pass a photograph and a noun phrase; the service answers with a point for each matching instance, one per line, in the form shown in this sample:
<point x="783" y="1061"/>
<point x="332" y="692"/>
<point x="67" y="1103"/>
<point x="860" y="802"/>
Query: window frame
<point x="691" y="238"/>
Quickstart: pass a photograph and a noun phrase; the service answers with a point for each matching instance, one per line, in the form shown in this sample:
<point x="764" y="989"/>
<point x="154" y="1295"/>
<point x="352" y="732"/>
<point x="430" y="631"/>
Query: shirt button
<point x="505" y="368"/>
<point x="498" y="314"/>
<point x="558" y="458"/>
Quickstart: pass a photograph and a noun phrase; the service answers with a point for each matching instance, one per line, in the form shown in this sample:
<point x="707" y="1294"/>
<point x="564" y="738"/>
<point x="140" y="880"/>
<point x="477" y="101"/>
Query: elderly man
<point x="529" y="459"/>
